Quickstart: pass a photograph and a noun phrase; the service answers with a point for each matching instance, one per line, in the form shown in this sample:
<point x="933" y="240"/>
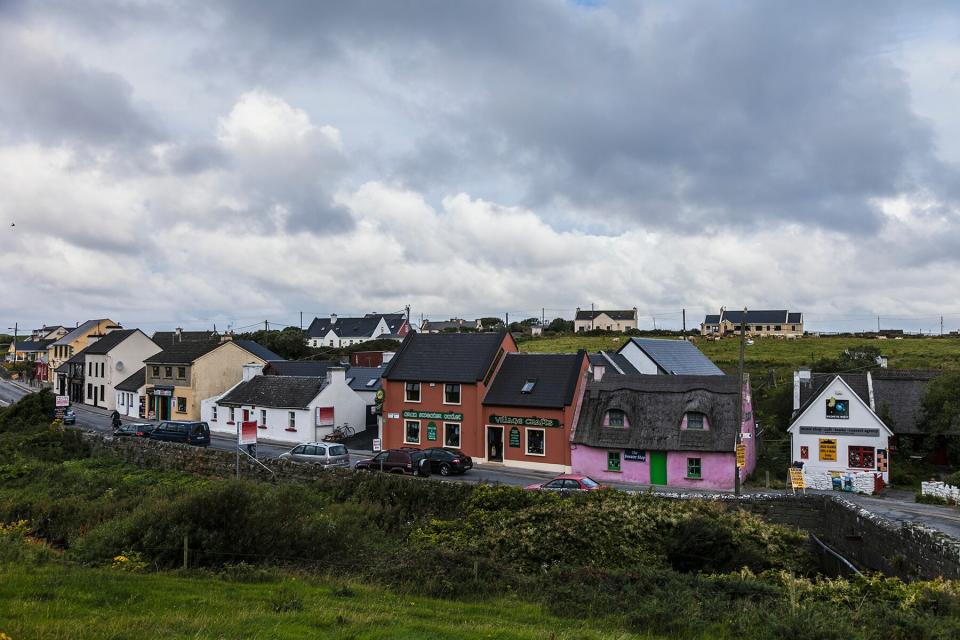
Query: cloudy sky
<point x="184" y="163"/>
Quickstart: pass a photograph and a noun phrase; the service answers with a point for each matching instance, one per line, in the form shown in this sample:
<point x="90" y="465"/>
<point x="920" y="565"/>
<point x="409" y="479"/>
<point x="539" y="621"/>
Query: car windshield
<point x="337" y="450"/>
<point x="589" y="482"/>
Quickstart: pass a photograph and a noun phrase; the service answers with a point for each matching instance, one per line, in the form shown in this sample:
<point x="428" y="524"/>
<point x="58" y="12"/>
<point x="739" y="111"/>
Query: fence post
<point x="186" y="552"/>
<point x="767" y="474"/>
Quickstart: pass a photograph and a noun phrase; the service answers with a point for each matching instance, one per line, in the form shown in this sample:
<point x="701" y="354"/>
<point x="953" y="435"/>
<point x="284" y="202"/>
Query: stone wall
<point x="941" y="490"/>
<point x="860" y="481"/>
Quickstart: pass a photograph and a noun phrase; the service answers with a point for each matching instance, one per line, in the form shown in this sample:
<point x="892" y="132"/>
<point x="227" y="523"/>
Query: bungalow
<point x="342" y="332"/>
<point x="607" y="320"/>
<point x="109" y="361"/>
<point x="28" y="350"/>
<point x="667" y="357"/>
<point x="759" y="322"/>
<point x="451" y="325"/>
<point x="677" y="430"/>
<point x="836" y="434"/>
<point x="132" y="395"/>
<point x="76" y="340"/>
<point x="529" y="410"/>
<point x="436" y="382"/>
<point x="288" y="409"/>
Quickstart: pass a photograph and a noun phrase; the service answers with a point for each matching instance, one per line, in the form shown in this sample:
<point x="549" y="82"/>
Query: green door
<point x="658" y="467"/>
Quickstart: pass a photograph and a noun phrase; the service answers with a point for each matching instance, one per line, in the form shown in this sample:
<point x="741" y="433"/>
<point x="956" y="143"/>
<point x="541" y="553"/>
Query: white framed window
<point x="616" y="418"/>
<point x="121" y="399"/>
<point x="213" y="413"/>
<point x="291" y="419"/>
<point x="263" y="417"/>
<point x="536" y="442"/>
<point x="411" y="432"/>
<point x="695" y="421"/>
<point x="451" y="393"/>
<point x="451" y="434"/>
<point x="413" y="392"/>
<point x="233" y="414"/>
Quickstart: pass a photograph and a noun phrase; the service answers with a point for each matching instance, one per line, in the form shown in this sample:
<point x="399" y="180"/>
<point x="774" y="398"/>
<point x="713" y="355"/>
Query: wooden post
<point x="767" y="483"/>
<point x="186" y="551"/>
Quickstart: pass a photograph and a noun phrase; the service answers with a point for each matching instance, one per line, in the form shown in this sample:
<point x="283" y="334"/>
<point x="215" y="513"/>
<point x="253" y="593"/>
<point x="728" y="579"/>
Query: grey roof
<point x="32" y="345"/>
<point x="359" y="376"/>
<point x="898" y="396"/>
<point x="344" y="327"/>
<point x="183" y="352"/>
<point x="444" y="357"/>
<point x="441" y="325"/>
<point x="655" y="406"/>
<point x="395" y="321"/>
<point x="818" y="381"/>
<point x="712" y="319"/>
<point x="306" y="368"/>
<point x="105" y="344"/>
<point x="555" y="375"/>
<point x="613" y="314"/>
<point x="676" y="357"/>
<point x="79" y="331"/>
<point x="620" y="362"/>
<point x="762" y="316"/>
<point x="165" y="339"/>
<point x="258" y="350"/>
<point x="276" y="392"/>
<point x="134" y="382"/>
<point x="794" y="318"/>
<point x="64" y="368"/>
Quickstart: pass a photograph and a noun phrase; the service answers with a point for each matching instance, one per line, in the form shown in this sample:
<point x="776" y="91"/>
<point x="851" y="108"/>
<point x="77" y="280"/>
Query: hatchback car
<point x="567" y="482"/>
<point x="137" y="429"/>
<point x="69" y="416"/>
<point x="324" y="454"/>
<point x="411" y="461"/>
<point x="447" y="461"/>
<point x="196" y="433"/>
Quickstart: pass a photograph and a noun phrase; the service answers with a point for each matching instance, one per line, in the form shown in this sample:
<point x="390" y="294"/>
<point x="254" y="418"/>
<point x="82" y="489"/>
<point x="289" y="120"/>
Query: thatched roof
<point x="655" y="406"/>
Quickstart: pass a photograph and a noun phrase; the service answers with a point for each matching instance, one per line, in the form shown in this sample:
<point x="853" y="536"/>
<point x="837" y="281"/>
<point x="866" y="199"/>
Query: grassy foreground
<point x="54" y="601"/>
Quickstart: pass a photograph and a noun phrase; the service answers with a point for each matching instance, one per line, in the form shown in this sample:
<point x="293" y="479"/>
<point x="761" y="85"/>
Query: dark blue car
<point x="195" y="433"/>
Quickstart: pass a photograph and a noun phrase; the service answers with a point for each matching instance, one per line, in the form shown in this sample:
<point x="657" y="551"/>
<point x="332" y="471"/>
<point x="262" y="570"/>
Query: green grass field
<point x="69" y="602"/>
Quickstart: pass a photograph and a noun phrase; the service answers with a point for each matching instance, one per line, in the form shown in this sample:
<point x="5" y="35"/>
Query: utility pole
<point x="266" y="325"/>
<point x="543" y="318"/>
<point x="591" y="316"/>
<point x="878" y="325"/>
<point x="301" y="321"/>
<point x="941" y="326"/>
<point x="507" y="316"/>
<point x="684" y="324"/>
<point x="654" y="318"/>
<point x="743" y="337"/>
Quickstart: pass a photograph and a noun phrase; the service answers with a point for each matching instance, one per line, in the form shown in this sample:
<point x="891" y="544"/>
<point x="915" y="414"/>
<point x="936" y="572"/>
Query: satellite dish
<point x="119" y="365"/>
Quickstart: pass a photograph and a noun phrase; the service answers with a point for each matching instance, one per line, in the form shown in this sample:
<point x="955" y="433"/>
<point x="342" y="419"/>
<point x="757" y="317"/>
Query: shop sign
<point x="515" y="437"/>
<point x="796" y="478"/>
<point x="527" y="422"/>
<point x="434" y="415"/>
<point x="840" y="431"/>
<point x="828" y="449"/>
<point x="63" y="401"/>
<point x="377" y="444"/>
<point x="635" y="455"/>
<point x="166" y="393"/>
<point x="741" y="456"/>
<point x="432" y="431"/>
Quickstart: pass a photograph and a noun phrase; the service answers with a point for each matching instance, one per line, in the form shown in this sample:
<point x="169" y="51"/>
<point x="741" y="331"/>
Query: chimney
<point x="388" y="356"/>
<point x="333" y="318"/>
<point x="178" y="334"/>
<point x="336" y="375"/>
<point x="251" y="371"/>
<point x="598" y="371"/>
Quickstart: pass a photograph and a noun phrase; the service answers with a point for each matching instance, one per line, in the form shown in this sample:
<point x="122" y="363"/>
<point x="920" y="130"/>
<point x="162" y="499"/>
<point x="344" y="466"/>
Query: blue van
<point x="196" y="433"/>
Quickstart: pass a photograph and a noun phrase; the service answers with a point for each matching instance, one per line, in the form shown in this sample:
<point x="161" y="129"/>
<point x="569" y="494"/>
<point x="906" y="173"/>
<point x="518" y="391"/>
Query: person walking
<point x="115" y="418"/>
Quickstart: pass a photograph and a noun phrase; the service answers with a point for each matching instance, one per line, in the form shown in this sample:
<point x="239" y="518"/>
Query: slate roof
<point x="444" y="357"/>
<point x="818" y="381"/>
<point x="183" y="352"/>
<point x="675" y="357"/>
<point x="64" y="368"/>
<point x="794" y="318"/>
<point x="655" y="406"/>
<point x="555" y="374"/>
<point x="757" y="316"/>
<point x="712" y="319"/>
<point x="165" y="339"/>
<point x="613" y="314"/>
<point x="105" y="344"/>
<point x="394" y="320"/>
<point x="898" y="395"/>
<point x="32" y="345"/>
<point x="258" y="350"/>
<point x="79" y="331"/>
<point x="134" y="382"/>
<point x="306" y="368"/>
<point x="359" y="376"/>
<point x="345" y="327"/>
<point x="275" y="392"/>
<point x="614" y="363"/>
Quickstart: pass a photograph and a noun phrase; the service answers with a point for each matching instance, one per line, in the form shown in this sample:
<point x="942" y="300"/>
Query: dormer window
<point x="695" y="421"/>
<point x="528" y="386"/>
<point x="616" y="418"/>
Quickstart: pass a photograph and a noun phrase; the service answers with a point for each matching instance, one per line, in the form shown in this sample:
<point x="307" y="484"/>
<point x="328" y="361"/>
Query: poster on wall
<point x="635" y="455"/>
<point x="248" y="432"/>
<point x="804" y="452"/>
<point x="828" y="449"/>
<point x="431" y="431"/>
<point x="325" y="416"/>
<point x="882" y="460"/>
<point x="515" y="437"/>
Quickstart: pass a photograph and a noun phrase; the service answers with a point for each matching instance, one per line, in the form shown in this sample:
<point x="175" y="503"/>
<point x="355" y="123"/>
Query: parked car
<point x="412" y="461"/>
<point x="197" y="433"/>
<point x="325" y="454"/>
<point x="567" y="482"/>
<point x="69" y="416"/>
<point x="447" y="461"/>
<point x="137" y="429"/>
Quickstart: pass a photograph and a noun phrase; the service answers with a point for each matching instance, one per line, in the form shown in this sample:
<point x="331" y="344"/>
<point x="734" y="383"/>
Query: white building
<point x="839" y="439"/>
<point x="665" y="356"/>
<point x="287" y="409"/>
<point x="132" y="395"/>
<point x="342" y="332"/>
<point x="110" y="360"/>
<point x="605" y="319"/>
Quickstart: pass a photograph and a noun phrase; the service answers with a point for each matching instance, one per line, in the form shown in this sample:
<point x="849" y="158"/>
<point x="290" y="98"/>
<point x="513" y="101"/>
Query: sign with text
<point x="431" y="431"/>
<point x="741" y="456"/>
<point x="527" y="422"/>
<point x="515" y="437"/>
<point x="377" y="444"/>
<point x="796" y="478"/>
<point x="434" y="415"/>
<point x="841" y="431"/>
<point x="635" y="455"/>
<point x="248" y="432"/>
<point x="63" y="401"/>
<point x="828" y="449"/>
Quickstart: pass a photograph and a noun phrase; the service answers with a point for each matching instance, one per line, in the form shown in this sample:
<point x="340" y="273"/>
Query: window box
<point x="263" y="426"/>
<point x="287" y="429"/>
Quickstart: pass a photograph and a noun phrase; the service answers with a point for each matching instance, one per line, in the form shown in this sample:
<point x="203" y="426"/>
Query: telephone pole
<point x="301" y="321"/>
<point x="736" y="468"/>
<point x="684" y="324"/>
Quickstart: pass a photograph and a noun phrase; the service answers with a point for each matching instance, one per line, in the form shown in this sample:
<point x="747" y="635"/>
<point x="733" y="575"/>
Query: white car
<point x="326" y="454"/>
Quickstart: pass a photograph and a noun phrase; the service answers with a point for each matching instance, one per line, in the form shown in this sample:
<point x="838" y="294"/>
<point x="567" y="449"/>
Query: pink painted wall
<point x="593" y="462"/>
<point x="716" y="468"/>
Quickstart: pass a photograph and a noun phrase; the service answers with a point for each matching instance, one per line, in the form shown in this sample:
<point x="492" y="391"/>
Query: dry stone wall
<point x="941" y="490"/>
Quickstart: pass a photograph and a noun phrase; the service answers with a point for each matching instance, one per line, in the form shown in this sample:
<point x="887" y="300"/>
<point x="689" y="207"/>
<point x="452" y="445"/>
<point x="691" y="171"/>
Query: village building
<point x="758" y="323"/>
<point x="529" y="411"/>
<point x="181" y="376"/>
<point x="609" y="363"/>
<point x="340" y="332"/>
<point x="70" y="378"/>
<point x="671" y="430"/>
<point x="28" y="350"/>
<point x="836" y="435"/>
<point x="75" y="341"/>
<point x="450" y="326"/>
<point x="49" y="332"/>
<point x="606" y="320"/>
<point x="132" y="395"/>
<point x="169" y="338"/>
<point x="664" y="356"/>
<point x="109" y="361"/>
<point x="435" y="385"/>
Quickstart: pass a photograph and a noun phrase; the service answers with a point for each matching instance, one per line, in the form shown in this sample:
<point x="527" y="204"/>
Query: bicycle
<point x="339" y="433"/>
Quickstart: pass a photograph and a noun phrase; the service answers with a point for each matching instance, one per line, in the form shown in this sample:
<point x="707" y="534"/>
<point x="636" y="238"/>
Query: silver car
<point x="325" y="454"/>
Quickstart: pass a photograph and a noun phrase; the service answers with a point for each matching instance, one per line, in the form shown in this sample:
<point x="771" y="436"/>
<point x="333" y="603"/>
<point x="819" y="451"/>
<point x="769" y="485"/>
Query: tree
<point x="941" y="403"/>
<point x="530" y="322"/>
<point x="559" y="325"/>
<point x="490" y="322"/>
<point x="852" y="359"/>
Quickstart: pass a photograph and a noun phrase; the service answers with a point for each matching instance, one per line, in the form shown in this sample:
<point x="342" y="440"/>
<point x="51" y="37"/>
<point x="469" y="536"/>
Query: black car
<point x="447" y="461"/>
<point x="197" y="433"/>
<point x="135" y="429"/>
<point x="411" y="461"/>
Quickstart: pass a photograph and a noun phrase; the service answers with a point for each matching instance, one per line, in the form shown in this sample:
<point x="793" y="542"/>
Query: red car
<point x="567" y="482"/>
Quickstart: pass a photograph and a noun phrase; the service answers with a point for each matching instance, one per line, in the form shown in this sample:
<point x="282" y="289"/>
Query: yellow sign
<point x="741" y="456"/>
<point x="796" y="478"/>
<point x="828" y="449"/>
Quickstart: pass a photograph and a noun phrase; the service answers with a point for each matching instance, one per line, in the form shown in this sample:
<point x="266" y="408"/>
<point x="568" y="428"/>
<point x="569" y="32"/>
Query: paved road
<point x="10" y="392"/>
<point x="945" y="519"/>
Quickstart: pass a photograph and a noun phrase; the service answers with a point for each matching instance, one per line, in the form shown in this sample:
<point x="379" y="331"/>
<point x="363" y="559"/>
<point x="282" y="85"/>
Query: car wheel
<point x="444" y="469"/>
